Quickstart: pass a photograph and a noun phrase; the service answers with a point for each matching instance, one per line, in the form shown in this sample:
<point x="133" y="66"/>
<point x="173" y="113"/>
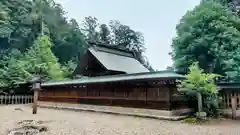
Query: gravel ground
<point x="86" y="123"/>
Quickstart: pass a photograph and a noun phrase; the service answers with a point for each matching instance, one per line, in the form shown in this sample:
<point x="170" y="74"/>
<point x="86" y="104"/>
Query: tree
<point x="12" y="69"/>
<point x="15" y="71"/>
<point x="104" y="34"/>
<point x="231" y="4"/>
<point x="199" y="82"/>
<point x="210" y="35"/>
<point x="126" y="37"/>
<point x="39" y="60"/>
<point x="17" y="68"/>
<point x="13" y="13"/>
<point x="169" y="68"/>
<point x="5" y="26"/>
<point x="73" y="41"/>
<point x="37" y="14"/>
<point x="68" y="69"/>
<point x="89" y="29"/>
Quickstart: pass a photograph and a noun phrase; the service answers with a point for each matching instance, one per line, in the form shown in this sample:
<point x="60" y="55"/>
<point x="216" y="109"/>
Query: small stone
<point x="28" y="130"/>
<point x="42" y="128"/>
<point x="18" y="109"/>
<point x="201" y="115"/>
<point x="25" y="122"/>
<point x="15" y="133"/>
<point x="43" y="122"/>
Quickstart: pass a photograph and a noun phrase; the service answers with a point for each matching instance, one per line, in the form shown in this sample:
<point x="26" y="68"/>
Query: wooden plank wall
<point x="141" y="97"/>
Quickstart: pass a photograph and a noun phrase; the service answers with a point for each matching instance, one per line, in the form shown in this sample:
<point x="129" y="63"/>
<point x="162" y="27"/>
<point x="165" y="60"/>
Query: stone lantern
<point x="36" y="87"/>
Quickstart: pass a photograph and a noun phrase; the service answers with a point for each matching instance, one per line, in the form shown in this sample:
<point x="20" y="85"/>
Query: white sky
<point x="156" y="19"/>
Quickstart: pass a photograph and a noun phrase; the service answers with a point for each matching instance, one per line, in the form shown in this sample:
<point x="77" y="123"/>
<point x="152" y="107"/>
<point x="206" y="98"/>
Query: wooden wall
<point x="152" y="97"/>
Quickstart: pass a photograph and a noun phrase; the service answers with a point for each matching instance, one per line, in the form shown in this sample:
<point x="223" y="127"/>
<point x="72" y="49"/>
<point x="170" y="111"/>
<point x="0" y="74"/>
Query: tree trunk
<point x="199" y="98"/>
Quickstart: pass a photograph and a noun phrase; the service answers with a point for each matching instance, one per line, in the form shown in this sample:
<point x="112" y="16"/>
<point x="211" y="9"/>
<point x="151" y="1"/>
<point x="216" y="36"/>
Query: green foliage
<point x="199" y="81"/>
<point x="118" y="34"/>
<point x="104" y="34"/>
<point x="23" y="54"/>
<point x="15" y="73"/>
<point x="211" y="105"/>
<point x="12" y="69"/>
<point x="129" y="39"/>
<point x="73" y="41"/>
<point x="39" y="60"/>
<point x="17" y="68"/>
<point x="68" y="68"/>
<point x="90" y="25"/>
<point x="21" y="22"/>
<point x="210" y="35"/>
<point x="126" y="37"/>
<point x="5" y="26"/>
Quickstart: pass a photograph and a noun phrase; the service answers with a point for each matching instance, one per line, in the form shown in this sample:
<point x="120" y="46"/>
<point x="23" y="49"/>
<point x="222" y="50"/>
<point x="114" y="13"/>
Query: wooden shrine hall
<point x="114" y="77"/>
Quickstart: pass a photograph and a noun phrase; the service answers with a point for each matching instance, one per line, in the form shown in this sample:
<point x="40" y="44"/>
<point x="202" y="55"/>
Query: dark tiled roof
<point x="117" y="61"/>
<point x="116" y="78"/>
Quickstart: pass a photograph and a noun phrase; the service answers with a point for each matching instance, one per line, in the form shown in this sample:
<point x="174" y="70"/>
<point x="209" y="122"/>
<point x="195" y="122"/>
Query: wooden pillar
<point x="35" y="101"/>
<point x="170" y="93"/>
<point x="234" y="106"/>
<point x="112" y="95"/>
<point x="146" y="91"/>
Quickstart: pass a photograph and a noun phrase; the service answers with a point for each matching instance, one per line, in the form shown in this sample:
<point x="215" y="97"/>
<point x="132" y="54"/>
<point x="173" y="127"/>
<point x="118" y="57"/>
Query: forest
<point x="37" y="39"/>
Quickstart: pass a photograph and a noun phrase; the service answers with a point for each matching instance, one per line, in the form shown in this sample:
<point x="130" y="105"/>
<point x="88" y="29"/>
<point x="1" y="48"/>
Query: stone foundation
<point x="159" y="114"/>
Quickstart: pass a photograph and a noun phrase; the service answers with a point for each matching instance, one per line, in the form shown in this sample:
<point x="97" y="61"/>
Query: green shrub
<point x="211" y="105"/>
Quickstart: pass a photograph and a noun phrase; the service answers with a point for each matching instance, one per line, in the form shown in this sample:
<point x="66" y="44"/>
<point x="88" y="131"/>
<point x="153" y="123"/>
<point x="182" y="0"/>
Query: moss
<point x="194" y="120"/>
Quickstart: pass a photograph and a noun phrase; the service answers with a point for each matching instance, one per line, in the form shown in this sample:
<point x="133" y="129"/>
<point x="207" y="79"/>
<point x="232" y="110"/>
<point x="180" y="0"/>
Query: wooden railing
<point x="16" y="99"/>
<point x="226" y="98"/>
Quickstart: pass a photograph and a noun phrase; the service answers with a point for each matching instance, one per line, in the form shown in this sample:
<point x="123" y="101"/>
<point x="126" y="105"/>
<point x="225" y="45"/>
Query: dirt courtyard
<point x="87" y="123"/>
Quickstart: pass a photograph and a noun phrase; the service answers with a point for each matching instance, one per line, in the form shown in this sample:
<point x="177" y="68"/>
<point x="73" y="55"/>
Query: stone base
<point x="228" y="113"/>
<point x="148" y="113"/>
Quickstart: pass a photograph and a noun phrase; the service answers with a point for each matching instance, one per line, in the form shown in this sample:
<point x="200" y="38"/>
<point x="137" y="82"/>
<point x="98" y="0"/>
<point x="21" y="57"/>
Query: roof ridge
<point x="109" y="46"/>
<point x="110" y="50"/>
